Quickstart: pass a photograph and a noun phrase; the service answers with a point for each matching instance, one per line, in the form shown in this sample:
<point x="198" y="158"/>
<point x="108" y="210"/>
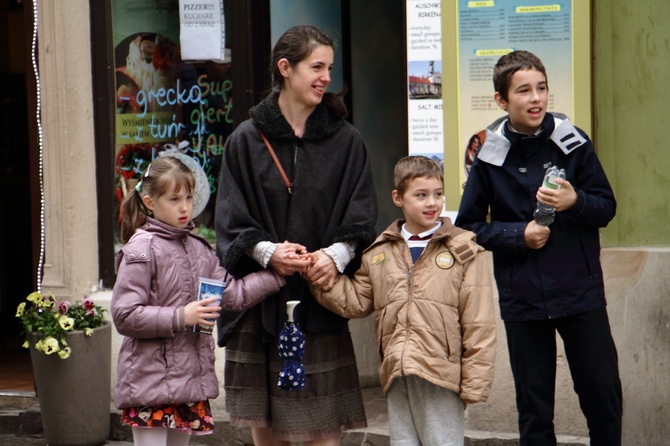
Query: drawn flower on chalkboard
<point x="132" y="160"/>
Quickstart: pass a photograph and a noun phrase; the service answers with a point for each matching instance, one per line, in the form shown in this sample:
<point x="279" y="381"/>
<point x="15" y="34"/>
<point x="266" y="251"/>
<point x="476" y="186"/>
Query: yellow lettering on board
<point x="539" y="8"/>
<point x="481" y="4"/>
<point x="496" y="52"/>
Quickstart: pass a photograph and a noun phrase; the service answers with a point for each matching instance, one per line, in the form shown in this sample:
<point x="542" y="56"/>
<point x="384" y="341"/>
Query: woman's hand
<point x="290" y="258"/>
<point x="323" y="272"/>
<point x="199" y="311"/>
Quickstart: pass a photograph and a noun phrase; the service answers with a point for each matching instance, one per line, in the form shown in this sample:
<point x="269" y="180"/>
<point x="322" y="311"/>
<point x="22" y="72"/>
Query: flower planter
<point x="74" y="393"/>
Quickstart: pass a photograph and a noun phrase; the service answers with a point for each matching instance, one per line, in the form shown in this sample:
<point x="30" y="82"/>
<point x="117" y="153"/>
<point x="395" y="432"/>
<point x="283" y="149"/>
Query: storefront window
<point x="149" y="100"/>
<point x="163" y="103"/>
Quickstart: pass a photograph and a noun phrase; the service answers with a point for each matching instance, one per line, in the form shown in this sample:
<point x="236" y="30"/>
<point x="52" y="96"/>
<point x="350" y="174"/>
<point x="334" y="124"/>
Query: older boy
<point x="549" y="278"/>
<point x="431" y="291"/>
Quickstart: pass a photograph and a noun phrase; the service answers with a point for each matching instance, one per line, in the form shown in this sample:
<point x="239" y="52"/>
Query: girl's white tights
<point x="157" y="436"/>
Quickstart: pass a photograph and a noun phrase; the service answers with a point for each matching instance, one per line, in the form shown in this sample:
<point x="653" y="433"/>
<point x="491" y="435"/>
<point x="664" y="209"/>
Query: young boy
<point x="434" y="311"/>
<point x="549" y="277"/>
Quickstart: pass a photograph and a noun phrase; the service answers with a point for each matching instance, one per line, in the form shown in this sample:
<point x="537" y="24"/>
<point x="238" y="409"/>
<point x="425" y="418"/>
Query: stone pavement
<point x="22" y="427"/>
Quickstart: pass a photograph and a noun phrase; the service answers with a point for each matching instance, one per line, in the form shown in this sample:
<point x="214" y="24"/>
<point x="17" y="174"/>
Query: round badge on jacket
<point x="444" y="260"/>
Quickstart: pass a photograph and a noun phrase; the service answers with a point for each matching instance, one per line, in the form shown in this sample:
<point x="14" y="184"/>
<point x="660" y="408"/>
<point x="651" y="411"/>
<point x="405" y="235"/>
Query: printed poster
<point x="424" y="79"/>
<point x="202" y="31"/>
<point x="489" y="29"/>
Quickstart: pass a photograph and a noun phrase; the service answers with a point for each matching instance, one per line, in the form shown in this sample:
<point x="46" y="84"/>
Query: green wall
<point x="632" y="116"/>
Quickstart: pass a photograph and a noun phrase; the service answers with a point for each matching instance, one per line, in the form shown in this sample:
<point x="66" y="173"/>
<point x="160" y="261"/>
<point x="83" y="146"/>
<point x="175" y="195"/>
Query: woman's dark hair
<point x="160" y="176"/>
<point x="296" y="45"/>
<point x="472" y="139"/>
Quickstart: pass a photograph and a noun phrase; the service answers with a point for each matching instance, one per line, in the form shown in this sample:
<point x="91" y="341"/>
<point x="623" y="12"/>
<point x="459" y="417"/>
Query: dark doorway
<point x="16" y="233"/>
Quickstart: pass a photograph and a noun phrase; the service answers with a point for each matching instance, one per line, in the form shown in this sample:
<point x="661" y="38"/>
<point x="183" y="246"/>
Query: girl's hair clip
<point x="146" y="174"/>
<point x="138" y="187"/>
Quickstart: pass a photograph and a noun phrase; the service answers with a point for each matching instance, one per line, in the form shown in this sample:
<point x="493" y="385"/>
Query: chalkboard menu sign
<point x="163" y="102"/>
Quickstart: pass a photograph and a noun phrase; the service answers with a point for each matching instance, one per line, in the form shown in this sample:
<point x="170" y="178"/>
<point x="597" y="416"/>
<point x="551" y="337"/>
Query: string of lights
<point x="40" y="145"/>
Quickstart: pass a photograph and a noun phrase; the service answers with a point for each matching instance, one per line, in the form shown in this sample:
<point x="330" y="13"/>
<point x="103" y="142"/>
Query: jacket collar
<point x="499" y="138"/>
<point x="267" y="116"/>
<point x="166" y="231"/>
<point x="394" y="231"/>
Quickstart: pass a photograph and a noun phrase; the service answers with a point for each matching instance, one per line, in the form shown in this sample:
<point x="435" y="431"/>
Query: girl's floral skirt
<point x="193" y="417"/>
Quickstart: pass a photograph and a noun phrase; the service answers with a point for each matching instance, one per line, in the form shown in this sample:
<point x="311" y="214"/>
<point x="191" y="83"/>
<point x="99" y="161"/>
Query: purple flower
<point x="63" y="306"/>
<point x="88" y="304"/>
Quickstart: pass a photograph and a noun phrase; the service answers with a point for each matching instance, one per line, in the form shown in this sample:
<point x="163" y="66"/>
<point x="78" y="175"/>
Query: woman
<point x="309" y="229"/>
<point x="471" y="151"/>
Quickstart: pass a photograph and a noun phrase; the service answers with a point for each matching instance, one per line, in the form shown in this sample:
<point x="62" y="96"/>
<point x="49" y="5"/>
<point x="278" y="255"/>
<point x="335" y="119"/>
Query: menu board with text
<point x="164" y="103"/>
<point x="489" y="29"/>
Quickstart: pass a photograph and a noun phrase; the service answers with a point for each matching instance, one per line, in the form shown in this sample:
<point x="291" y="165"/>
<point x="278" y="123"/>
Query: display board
<point x="475" y="34"/>
<point x="424" y="79"/>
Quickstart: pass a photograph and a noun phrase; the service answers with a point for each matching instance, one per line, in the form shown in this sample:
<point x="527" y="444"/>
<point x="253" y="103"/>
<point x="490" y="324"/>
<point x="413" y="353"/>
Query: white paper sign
<point x="202" y="34"/>
<point x="424" y="79"/>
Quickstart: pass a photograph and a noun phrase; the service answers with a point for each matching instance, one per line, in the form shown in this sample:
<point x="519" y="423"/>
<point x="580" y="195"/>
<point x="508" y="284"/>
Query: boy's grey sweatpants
<point x="421" y="413"/>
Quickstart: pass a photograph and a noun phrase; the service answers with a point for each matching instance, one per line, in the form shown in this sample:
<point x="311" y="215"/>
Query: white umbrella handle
<point x="290" y="306"/>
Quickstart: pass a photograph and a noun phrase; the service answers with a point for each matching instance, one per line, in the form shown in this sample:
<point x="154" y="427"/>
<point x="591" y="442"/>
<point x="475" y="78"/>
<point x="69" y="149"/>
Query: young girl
<point x="165" y="373"/>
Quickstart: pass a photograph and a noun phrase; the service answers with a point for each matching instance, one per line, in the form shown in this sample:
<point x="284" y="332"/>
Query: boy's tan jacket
<point x="434" y="319"/>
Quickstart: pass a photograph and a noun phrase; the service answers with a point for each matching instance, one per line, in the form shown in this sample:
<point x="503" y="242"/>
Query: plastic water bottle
<point x="544" y="215"/>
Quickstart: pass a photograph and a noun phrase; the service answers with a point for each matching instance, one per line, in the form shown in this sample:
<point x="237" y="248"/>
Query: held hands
<point x="318" y="268"/>
<point x="322" y="272"/>
<point x="199" y="312"/>
<point x="290" y="258"/>
<point x="561" y="199"/>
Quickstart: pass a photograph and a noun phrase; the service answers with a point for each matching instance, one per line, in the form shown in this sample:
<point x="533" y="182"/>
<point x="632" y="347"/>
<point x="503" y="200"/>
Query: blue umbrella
<point x="291" y="350"/>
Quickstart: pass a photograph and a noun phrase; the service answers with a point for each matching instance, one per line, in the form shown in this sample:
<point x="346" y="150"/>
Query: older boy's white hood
<point x="496" y="146"/>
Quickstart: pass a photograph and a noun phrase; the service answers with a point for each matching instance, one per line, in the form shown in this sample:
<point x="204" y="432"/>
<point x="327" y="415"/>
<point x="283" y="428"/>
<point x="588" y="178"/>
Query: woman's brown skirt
<point x="330" y="403"/>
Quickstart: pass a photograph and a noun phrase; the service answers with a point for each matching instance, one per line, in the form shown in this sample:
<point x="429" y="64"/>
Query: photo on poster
<point x="145" y="62"/>
<point x="474" y="144"/>
<point x="424" y="79"/>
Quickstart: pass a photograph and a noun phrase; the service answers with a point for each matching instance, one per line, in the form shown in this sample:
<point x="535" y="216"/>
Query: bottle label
<point x="550" y="182"/>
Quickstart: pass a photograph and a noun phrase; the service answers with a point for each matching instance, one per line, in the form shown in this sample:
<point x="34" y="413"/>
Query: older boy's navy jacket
<point x="564" y="277"/>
